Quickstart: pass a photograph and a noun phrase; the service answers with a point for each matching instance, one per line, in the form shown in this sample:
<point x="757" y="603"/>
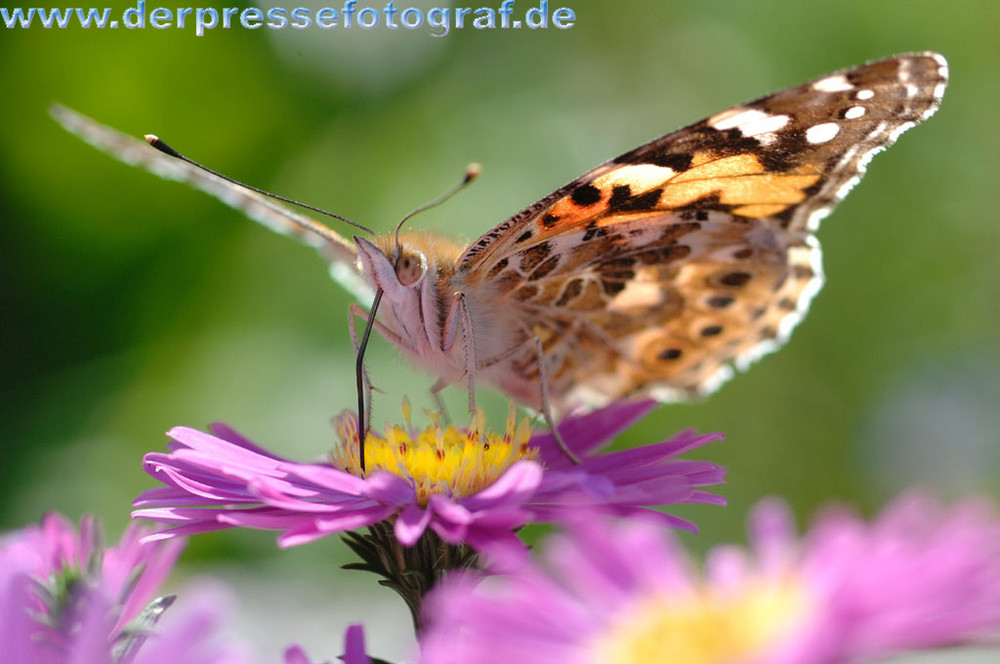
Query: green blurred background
<point x="131" y="304"/>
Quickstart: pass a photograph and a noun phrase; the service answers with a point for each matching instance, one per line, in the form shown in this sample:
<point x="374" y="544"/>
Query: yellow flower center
<point x="438" y="459"/>
<point x="706" y="626"/>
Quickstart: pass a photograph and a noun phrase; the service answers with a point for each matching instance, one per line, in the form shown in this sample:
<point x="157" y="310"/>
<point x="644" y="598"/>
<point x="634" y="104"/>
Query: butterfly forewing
<point x="660" y="269"/>
<point x="337" y="251"/>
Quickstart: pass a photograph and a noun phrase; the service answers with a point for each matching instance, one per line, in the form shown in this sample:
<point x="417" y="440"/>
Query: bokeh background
<point x="130" y="304"/>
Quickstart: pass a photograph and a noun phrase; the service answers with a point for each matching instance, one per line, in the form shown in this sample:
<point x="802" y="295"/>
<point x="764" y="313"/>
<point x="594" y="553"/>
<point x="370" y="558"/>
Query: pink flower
<point x="467" y="486"/>
<point x="917" y="577"/>
<point x="64" y="598"/>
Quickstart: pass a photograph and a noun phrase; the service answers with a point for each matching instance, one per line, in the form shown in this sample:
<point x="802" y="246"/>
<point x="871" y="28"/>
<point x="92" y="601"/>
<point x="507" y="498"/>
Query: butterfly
<point x="656" y="273"/>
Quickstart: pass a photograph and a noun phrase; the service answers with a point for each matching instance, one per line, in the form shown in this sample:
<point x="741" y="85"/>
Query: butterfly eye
<point x="410" y="267"/>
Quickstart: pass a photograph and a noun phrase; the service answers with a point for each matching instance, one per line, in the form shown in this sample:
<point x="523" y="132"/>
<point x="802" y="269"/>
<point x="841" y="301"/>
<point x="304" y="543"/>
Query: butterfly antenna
<point x="360" y="372"/>
<point x="472" y="171"/>
<point x="155" y="142"/>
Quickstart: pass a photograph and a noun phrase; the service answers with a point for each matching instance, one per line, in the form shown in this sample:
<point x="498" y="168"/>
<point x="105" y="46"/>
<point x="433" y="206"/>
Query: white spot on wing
<point x="750" y="122"/>
<point x="766" y="125"/>
<point x="865" y="94"/>
<point x="854" y="112"/>
<point x="836" y="83"/>
<point x="822" y="133"/>
<point x="735" y="117"/>
<point x="767" y="139"/>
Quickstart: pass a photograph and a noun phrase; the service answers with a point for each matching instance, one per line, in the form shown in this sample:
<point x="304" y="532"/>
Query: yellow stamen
<point x="707" y="627"/>
<point x="443" y="460"/>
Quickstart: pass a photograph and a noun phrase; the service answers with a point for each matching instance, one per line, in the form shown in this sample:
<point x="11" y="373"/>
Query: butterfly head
<point x="398" y="269"/>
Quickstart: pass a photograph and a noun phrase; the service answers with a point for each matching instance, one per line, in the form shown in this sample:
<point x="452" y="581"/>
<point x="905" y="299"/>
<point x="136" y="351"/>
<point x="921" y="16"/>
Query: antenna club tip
<point x="472" y="171"/>
<point x="155" y="141"/>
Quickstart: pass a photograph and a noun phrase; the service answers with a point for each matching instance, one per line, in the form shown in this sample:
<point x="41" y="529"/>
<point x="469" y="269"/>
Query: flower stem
<point x="411" y="571"/>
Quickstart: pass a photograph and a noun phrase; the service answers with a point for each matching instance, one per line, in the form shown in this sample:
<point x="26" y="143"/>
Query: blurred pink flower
<point x="354" y="649"/>
<point x="64" y="598"/>
<point x="917" y="577"/>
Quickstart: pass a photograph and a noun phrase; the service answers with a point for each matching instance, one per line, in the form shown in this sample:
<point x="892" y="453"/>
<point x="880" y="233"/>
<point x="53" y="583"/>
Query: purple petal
<point x="354" y="646"/>
<point x="411" y="524"/>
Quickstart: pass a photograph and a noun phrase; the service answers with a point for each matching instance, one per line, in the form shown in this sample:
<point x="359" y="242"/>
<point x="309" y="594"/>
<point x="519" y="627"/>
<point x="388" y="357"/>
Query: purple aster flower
<point x="917" y="577"/>
<point x="432" y="499"/>
<point x="468" y="486"/>
<point x="64" y="598"/>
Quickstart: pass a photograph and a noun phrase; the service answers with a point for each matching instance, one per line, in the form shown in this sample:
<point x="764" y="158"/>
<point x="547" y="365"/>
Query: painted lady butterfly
<point x="654" y="273"/>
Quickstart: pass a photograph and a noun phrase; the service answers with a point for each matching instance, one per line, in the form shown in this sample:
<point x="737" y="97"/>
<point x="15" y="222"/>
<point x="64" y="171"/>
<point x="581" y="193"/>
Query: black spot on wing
<point x="616" y="273"/>
<point x="723" y="143"/>
<point x="673" y="232"/>
<point x="593" y="230"/>
<point x="661" y="255"/>
<point x="585" y="195"/>
<point x="720" y="301"/>
<point x="621" y="267"/>
<point x="642" y="202"/>
<point x="803" y="272"/>
<point x="533" y="256"/>
<point x="654" y="154"/>
<point x="545" y="268"/>
<point x="498" y="268"/>
<point x="688" y="213"/>
<point x="619" y="194"/>
<point x="787" y="152"/>
<point x="735" y="278"/>
<point x="570" y="292"/>
<point x="712" y="201"/>
<point x="612" y="288"/>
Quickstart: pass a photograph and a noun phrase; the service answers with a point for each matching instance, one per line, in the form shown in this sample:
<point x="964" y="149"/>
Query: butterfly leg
<point x="547" y="408"/>
<point x="438" y="401"/>
<point x="469" y="335"/>
<point x="470" y="367"/>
